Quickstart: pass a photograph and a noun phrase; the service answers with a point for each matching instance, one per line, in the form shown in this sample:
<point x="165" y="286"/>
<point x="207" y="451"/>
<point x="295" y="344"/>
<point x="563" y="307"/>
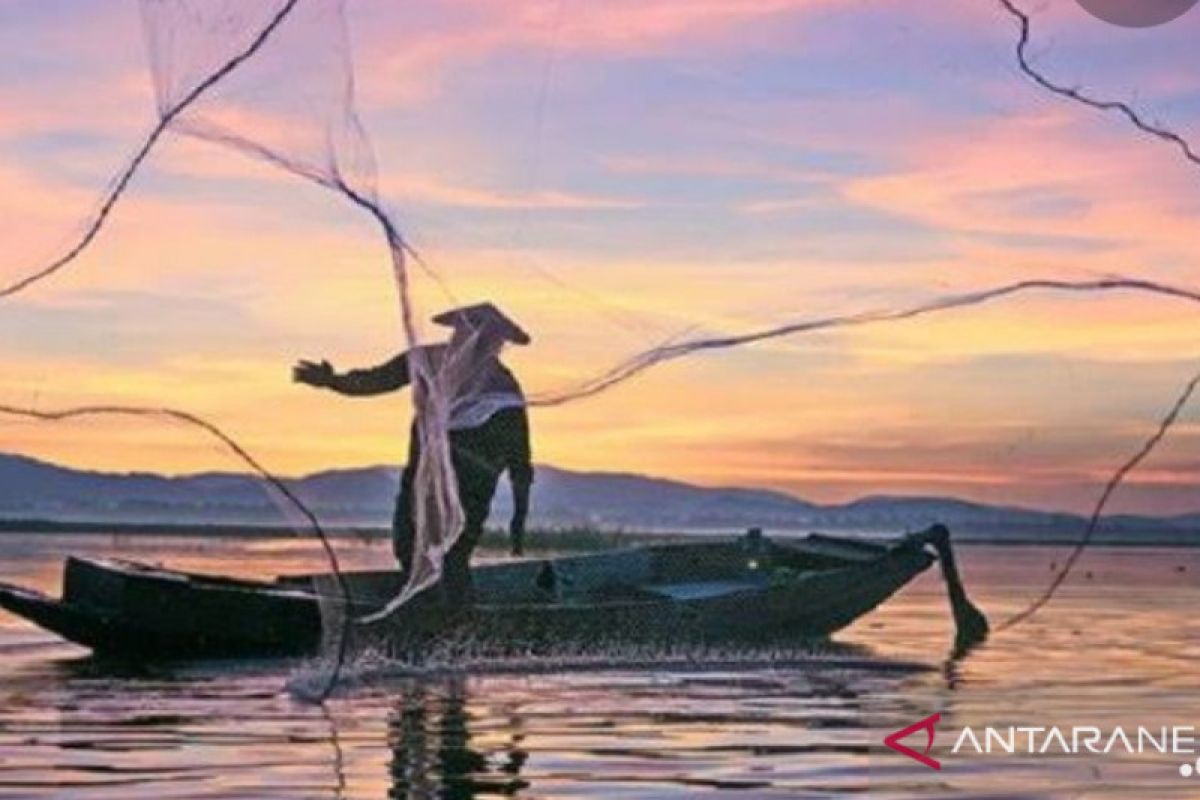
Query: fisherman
<point x="488" y="429"/>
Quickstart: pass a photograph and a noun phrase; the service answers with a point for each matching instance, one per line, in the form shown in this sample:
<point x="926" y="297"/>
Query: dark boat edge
<point x="108" y="634"/>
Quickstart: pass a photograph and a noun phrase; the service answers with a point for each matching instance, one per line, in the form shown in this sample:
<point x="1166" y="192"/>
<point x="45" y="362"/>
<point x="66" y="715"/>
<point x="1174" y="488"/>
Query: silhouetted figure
<point x="489" y="429"/>
<point x="432" y="752"/>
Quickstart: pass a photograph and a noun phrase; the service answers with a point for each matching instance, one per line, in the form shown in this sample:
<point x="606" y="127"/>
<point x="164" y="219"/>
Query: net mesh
<point x="299" y="114"/>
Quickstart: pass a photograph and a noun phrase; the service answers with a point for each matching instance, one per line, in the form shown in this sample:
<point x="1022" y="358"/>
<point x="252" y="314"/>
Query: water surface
<point x="1118" y="647"/>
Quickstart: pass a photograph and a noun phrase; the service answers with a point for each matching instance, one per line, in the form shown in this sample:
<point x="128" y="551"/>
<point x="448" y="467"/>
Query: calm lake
<point x="1118" y="647"/>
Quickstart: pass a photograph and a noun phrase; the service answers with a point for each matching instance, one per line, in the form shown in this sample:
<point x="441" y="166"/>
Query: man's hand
<point x="313" y="373"/>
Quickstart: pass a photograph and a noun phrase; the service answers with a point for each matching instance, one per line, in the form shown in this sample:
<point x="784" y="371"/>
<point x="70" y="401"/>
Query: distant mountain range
<point x="35" y="490"/>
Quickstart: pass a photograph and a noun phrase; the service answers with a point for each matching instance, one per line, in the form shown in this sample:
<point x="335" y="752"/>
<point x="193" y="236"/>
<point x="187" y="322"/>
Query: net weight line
<point x="121" y="183"/>
<point x="1157" y="131"/>
<point x="243" y="455"/>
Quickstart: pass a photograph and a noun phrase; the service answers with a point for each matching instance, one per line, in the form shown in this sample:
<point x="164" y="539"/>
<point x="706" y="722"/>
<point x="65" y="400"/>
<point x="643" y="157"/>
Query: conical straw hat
<point x="483" y="315"/>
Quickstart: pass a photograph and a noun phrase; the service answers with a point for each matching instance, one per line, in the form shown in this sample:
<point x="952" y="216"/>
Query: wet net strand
<point x="245" y="457"/>
<point x="1097" y="514"/>
<point x="1085" y="98"/>
<point x="641" y="362"/>
<point x="123" y="178"/>
<point x="1079" y="95"/>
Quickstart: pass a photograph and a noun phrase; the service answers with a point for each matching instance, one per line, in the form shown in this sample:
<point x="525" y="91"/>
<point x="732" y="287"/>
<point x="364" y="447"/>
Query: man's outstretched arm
<point x="387" y="377"/>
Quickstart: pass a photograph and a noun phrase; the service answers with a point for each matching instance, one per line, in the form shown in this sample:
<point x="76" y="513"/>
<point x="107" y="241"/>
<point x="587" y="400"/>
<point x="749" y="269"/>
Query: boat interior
<point x="657" y="572"/>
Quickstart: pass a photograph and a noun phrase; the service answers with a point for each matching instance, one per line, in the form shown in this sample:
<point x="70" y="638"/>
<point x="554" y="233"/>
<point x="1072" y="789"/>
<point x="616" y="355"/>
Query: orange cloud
<point x="1024" y="399"/>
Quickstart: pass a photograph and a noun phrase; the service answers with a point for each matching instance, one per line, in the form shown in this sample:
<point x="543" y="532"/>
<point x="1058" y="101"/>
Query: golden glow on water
<point x="1116" y="648"/>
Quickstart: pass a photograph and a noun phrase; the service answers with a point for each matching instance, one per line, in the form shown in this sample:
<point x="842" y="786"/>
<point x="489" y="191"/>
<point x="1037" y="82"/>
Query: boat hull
<point x="124" y="608"/>
<point x="749" y="589"/>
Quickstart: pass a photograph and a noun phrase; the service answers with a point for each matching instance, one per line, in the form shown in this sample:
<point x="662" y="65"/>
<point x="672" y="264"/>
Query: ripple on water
<point x="1117" y="653"/>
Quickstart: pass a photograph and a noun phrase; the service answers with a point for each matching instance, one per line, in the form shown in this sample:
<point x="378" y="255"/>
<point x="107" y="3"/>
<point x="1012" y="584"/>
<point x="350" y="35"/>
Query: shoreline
<point x="1178" y="539"/>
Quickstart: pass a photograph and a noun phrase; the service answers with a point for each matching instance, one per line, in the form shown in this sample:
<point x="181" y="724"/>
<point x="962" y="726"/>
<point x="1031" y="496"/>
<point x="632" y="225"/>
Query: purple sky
<point x="613" y="175"/>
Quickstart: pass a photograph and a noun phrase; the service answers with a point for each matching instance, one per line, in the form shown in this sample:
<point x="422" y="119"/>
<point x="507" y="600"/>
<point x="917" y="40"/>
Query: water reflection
<point x="1118" y="650"/>
<point x="429" y="734"/>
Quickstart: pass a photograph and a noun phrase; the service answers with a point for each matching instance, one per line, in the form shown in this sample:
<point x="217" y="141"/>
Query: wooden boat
<point x="746" y="588"/>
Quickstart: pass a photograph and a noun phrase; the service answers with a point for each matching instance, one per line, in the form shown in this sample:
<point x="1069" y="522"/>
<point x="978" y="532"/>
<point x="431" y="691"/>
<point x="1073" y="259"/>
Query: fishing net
<point x="630" y="199"/>
<point x="299" y="114"/>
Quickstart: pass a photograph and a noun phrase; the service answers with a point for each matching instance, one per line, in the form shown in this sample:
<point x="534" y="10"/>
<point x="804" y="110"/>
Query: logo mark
<point x="929" y="725"/>
<point x="1137" y="13"/>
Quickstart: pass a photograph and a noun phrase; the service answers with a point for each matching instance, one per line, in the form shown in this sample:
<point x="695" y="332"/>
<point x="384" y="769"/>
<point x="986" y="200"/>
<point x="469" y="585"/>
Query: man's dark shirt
<point x="488" y="416"/>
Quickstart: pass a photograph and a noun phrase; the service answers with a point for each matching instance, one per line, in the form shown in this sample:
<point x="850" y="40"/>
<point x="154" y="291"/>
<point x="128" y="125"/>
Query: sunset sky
<point x="614" y="174"/>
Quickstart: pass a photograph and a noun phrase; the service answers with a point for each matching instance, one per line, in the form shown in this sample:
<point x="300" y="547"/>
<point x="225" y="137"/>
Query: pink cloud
<point x="409" y="62"/>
